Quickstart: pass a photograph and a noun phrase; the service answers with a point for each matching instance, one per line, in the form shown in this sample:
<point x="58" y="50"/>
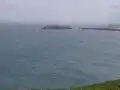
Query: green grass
<point x="109" y="85"/>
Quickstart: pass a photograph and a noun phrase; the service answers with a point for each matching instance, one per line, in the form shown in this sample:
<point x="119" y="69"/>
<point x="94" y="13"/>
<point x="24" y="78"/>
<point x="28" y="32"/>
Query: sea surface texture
<point x="31" y="58"/>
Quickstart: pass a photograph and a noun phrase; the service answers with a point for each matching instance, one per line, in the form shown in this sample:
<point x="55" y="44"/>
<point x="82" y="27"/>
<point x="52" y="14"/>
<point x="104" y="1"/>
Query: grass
<point x="109" y="85"/>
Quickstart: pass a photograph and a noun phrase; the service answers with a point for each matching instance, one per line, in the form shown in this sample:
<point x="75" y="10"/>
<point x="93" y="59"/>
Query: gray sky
<point x="78" y="11"/>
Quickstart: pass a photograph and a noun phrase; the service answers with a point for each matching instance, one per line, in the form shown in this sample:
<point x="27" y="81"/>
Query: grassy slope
<point x="109" y="85"/>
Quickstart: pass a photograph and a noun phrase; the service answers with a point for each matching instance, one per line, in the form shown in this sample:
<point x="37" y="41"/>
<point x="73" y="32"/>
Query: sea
<point x="31" y="58"/>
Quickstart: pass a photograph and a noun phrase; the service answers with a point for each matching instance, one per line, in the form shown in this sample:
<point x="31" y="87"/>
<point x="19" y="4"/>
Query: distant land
<point x="33" y="26"/>
<point x="57" y="27"/>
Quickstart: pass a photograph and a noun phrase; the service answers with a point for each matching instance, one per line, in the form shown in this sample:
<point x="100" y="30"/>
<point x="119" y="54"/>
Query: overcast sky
<point x="78" y="11"/>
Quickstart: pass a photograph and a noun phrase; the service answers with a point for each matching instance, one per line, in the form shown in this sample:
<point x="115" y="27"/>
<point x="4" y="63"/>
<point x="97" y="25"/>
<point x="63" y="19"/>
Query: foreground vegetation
<point x="109" y="85"/>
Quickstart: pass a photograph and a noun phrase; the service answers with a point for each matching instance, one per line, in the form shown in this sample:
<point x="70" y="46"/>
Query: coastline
<point x="108" y="85"/>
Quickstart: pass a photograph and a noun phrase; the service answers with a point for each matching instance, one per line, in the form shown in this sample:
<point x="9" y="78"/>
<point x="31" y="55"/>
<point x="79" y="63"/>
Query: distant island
<point x="104" y="29"/>
<point x="57" y="27"/>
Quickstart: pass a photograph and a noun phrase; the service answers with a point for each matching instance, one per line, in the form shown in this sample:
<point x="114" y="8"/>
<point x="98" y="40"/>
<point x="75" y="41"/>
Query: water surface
<point x="57" y="58"/>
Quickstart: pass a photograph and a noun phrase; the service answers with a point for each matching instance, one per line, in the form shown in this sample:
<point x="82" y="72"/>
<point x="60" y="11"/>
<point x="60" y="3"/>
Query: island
<point x="104" y="29"/>
<point x="57" y="27"/>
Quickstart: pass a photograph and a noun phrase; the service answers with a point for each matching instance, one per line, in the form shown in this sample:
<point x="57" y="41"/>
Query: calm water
<point x="30" y="59"/>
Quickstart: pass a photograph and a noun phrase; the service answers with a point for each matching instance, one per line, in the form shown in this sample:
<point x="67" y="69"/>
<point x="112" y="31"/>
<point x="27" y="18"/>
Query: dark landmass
<point x="38" y="26"/>
<point x="110" y="27"/>
<point x="57" y="27"/>
<point x="105" y="29"/>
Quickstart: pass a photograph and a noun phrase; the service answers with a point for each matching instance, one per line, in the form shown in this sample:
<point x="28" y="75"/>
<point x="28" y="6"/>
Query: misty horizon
<point x="60" y="11"/>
